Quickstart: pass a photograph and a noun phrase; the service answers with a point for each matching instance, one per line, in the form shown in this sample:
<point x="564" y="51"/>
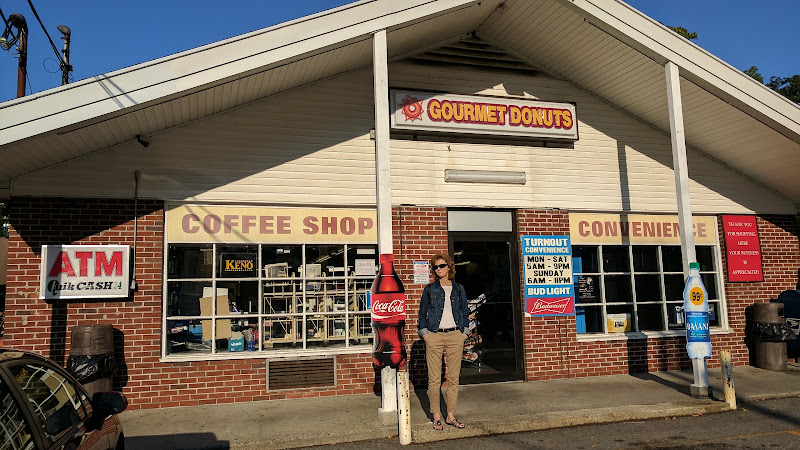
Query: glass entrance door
<point x="484" y="263"/>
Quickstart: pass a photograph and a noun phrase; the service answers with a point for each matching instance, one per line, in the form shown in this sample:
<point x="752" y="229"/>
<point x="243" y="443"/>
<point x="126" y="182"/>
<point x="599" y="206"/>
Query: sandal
<point x="437" y="425"/>
<point x="455" y="423"/>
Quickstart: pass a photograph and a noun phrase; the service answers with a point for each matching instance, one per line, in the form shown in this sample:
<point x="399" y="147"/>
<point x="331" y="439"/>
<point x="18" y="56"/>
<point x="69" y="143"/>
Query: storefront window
<point x="222" y="299"/>
<point x="623" y="288"/>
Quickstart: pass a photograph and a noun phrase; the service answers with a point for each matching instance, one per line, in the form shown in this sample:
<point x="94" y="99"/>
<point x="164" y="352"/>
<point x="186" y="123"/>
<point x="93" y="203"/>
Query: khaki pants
<point x="435" y="344"/>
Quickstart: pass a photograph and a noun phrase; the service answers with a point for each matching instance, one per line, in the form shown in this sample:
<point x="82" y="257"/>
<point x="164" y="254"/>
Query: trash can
<point x="771" y="333"/>
<point x="91" y="357"/>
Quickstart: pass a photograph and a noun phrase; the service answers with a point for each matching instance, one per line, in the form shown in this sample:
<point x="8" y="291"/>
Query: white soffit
<point x="71" y="121"/>
<point x="617" y="53"/>
<point x="603" y="46"/>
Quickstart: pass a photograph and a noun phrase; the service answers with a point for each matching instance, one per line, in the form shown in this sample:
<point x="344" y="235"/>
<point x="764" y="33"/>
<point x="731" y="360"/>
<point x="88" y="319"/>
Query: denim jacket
<point x="432" y="306"/>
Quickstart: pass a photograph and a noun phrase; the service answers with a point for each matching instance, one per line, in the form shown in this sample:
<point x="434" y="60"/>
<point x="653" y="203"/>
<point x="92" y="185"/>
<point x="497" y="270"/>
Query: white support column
<point x="680" y="166"/>
<point x="383" y="180"/>
<point x="700" y="386"/>
<point x="388" y="412"/>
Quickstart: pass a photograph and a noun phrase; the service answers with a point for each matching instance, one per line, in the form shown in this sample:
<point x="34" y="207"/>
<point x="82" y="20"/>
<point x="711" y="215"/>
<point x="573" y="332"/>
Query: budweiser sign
<point x="550" y="305"/>
<point x="388" y="307"/>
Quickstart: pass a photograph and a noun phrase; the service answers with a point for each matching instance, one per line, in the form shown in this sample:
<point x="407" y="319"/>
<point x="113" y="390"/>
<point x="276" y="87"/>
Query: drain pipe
<point x="135" y="227"/>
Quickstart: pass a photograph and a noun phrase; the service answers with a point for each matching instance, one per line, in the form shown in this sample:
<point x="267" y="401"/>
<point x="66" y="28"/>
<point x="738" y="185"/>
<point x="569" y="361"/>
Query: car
<point x="44" y="407"/>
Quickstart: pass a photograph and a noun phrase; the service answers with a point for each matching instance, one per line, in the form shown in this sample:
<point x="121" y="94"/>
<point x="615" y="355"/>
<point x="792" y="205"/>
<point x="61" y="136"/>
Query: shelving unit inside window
<point x="627" y="288"/>
<point x="223" y="299"/>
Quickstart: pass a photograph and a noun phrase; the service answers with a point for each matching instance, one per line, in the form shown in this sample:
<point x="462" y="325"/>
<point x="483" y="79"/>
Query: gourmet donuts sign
<point x="426" y="111"/>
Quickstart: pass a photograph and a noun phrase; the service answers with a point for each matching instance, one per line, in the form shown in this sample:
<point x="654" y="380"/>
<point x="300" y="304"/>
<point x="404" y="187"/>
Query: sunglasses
<point x="440" y="266"/>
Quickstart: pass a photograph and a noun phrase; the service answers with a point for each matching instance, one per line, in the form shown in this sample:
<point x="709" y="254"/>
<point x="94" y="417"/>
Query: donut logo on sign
<point x="412" y="108"/>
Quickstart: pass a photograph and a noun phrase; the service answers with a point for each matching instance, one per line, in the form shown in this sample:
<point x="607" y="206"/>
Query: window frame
<point x="631" y="273"/>
<point x="302" y="317"/>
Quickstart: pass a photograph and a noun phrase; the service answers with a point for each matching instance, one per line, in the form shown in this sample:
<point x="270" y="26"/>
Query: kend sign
<point x="84" y="271"/>
<point x="437" y="112"/>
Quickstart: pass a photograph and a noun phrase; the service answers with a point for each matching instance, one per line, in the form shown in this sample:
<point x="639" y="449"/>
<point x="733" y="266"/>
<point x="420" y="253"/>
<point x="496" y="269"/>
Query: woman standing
<point x="443" y="321"/>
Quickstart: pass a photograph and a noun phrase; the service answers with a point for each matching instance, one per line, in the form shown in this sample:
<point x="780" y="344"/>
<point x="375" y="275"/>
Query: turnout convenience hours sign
<point x="547" y="268"/>
<point x="428" y="111"/>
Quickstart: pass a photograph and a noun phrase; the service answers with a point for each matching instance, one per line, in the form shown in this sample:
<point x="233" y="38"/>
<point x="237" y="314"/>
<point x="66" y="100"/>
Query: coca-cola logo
<point x="550" y="305"/>
<point x="386" y="307"/>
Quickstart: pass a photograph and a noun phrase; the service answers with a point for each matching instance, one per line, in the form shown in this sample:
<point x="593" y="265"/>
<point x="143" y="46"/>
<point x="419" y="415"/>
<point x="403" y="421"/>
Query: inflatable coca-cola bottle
<point x="388" y="316"/>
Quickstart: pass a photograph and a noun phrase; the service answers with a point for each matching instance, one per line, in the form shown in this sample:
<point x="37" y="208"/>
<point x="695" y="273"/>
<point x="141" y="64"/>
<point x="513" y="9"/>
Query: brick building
<point x="244" y="178"/>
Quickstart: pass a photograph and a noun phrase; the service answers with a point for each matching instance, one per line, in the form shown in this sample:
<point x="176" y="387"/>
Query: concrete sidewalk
<point x="486" y="409"/>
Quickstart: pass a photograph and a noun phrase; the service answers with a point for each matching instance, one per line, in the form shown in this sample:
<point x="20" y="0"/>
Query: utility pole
<point x="8" y="39"/>
<point x="22" y="71"/>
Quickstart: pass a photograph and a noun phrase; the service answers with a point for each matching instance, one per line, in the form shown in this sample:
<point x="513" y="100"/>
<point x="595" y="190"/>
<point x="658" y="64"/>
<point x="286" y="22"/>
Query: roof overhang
<point x="605" y="47"/>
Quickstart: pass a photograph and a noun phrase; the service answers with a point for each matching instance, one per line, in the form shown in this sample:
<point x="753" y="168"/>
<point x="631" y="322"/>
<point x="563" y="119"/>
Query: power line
<point x="58" y="55"/>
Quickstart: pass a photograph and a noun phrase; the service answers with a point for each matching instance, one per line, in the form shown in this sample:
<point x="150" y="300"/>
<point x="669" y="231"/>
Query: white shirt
<point x="447" y="313"/>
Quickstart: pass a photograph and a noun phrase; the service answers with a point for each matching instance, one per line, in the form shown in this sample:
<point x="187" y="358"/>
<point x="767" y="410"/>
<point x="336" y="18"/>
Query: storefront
<point x="252" y="214"/>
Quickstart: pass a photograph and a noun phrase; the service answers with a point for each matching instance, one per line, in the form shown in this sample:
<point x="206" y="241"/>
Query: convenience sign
<point x="426" y="111"/>
<point x="84" y="271"/>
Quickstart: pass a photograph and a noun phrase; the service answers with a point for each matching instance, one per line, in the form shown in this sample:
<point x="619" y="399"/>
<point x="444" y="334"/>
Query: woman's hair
<point x="450" y="264"/>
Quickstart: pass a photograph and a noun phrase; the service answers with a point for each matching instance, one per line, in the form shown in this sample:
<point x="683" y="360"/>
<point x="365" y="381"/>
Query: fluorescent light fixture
<point x="484" y="176"/>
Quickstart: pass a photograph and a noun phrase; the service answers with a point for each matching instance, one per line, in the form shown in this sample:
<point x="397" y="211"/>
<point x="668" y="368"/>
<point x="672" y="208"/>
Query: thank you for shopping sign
<point x="744" y="248"/>
<point x="547" y="268"/>
<point x="84" y="271"/>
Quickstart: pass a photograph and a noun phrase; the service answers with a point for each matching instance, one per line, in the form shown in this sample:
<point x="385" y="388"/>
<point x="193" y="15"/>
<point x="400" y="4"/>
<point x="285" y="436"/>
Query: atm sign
<point x="84" y="271"/>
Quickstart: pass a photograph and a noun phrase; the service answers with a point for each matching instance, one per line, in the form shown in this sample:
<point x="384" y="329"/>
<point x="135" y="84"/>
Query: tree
<point x="753" y="73"/>
<point x="683" y="32"/>
<point x="789" y="87"/>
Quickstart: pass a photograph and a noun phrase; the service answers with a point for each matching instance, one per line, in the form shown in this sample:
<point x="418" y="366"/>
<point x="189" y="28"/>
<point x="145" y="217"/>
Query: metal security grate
<point x="300" y="373"/>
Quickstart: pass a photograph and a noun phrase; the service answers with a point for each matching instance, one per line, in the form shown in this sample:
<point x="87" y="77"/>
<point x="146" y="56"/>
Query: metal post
<point x="65" y="67"/>
<point x="404" y="407"/>
<point x="727" y="378"/>
<point x="680" y="166"/>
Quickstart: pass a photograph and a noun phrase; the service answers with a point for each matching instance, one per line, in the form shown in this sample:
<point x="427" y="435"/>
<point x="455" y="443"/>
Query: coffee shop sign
<point x="215" y="223"/>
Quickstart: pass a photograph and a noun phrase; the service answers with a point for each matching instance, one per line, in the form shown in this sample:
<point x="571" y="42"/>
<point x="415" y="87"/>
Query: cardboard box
<point x="223" y="325"/>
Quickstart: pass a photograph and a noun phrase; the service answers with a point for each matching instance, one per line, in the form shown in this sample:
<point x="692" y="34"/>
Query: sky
<point x="110" y="35"/>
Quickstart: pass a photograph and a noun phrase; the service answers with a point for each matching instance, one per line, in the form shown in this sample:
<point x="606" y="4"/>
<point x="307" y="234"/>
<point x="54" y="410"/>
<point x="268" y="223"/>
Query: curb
<point x="546" y="421"/>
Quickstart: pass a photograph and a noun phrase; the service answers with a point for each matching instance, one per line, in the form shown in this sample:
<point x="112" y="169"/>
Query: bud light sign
<point x="84" y="271"/>
<point x="547" y="268"/>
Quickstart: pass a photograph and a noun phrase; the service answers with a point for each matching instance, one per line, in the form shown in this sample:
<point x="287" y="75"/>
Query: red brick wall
<point x="33" y="324"/>
<point x="419" y="233"/>
<point x="548" y="342"/>
<point x="551" y="348"/>
<point x="780" y="259"/>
